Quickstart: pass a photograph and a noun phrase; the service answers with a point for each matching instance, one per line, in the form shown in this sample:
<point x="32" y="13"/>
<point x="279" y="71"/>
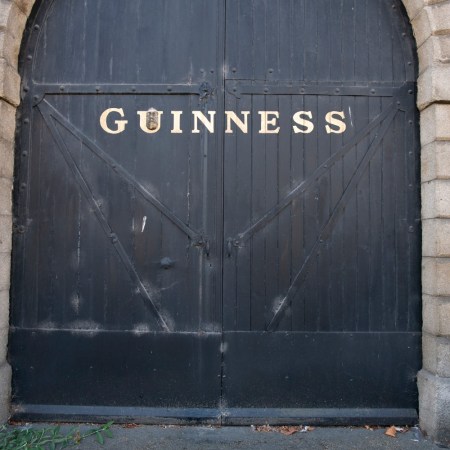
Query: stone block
<point x="5" y="11"/>
<point x="9" y="48"/>
<point x="413" y="7"/>
<point x="7" y="121"/>
<point x="435" y="159"/>
<point x="5" y="270"/>
<point x="5" y="391"/>
<point x="25" y="5"/>
<point x="436" y="199"/>
<point x="435" y="124"/>
<point x="434" y="86"/>
<point x="3" y="344"/>
<point x="12" y="18"/>
<point x="436" y="354"/>
<point x="5" y="234"/>
<point x="431" y="20"/>
<point x="436" y="276"/>
<point x="436" y="238"/>
<point x="434" y="51"/>
<point x="9" y="83"/>
<point x="5" y="198"/>
<point x="434" y="406"/>
<point x="436" y="315"/>
<point x="6" y="159"/>
<point x="4" y="309"/>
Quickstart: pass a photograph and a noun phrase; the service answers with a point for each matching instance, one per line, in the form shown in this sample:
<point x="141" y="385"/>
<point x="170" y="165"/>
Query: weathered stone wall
<point x="431" y="24"/>
<point x="13" y="16"/>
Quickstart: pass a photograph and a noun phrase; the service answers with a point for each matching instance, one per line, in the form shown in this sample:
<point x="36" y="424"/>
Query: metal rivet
<point x="25" y="154"/>
<point x="270" y="70"/>
<point x="36" y="27"/>
<point x="398" y="103"/>
<point x="26" y="121"/>
<point x="266" y="90"/>
<point x="410" y="91"/>
<point x="372" y="91"/>
<point x="61" y="88"/>
<point x="403" y="34"/>
<point x="23" y="185"/>
<point x="30" y="57"/>
<point x="212" y="70"/>
<point x="411" y="229"/>
<point x="410" y="153"/>
<point x="234" y="70"/>
<point x="302" y="91"/>
<point x="337" y="90"/>
<point x="36" y="98"/>
<point x="234" y="89"/>
<point x="26" y="88"/>
<point x="169" y="89"/>
<point x="97" y="88"/>
<point x="409" y="63"/>
<point x="133" y="89"/>
<point x="410" y="122"/>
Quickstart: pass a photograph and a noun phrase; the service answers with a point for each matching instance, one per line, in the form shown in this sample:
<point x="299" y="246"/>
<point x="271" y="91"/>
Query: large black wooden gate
<point x="217" y="212"/>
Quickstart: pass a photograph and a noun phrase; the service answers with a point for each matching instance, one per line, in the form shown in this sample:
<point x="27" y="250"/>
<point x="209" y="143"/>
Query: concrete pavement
<point x="260" y="438"/>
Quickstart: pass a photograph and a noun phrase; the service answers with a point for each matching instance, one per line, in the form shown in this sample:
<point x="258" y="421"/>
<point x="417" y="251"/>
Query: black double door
<point x="217" y="212"/>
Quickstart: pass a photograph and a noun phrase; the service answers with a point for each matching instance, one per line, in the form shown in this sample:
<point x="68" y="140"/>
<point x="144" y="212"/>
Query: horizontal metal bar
<point x="153" y="416"/>
<point x="120" y="89"/>
<point x="228" y="416"/>
<point x="319" y="416"/>
<point x="327" y="89"/>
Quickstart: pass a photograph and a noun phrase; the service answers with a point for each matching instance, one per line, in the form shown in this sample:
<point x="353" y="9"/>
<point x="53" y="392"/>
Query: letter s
<point x="299" y="120"/>
<point x="341" y="126"/>
<point x="119" y="123"/>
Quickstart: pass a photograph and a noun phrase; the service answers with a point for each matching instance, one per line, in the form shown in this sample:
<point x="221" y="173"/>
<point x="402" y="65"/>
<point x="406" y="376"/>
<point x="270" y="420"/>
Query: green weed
<point x="51" y="438"/>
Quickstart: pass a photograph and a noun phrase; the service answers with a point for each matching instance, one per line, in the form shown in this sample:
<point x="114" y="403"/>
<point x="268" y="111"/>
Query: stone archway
<point x="431" y="23"/>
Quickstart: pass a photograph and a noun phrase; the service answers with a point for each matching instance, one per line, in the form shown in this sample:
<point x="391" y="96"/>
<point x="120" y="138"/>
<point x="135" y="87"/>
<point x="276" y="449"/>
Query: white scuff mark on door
<point x="144" y="221"/>
<point x="75" y="302"/>
<point x="141" y="328"/>
<point x="350" y="114"/>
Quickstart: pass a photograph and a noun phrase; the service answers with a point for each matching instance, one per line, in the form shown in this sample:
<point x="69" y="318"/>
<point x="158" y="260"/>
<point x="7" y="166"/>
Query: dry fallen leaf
<point x="130" y="425"/>
<point x="391" y="432"/>
<point x="288" y="431"/>
<point x="264" y="429"/>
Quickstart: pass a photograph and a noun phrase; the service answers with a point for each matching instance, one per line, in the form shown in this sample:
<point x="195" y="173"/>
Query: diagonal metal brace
<point x="326" y="230"/>
<point x="123" y="173"/>
<point x="115" y="241"/>
<point x="305" y="184"/>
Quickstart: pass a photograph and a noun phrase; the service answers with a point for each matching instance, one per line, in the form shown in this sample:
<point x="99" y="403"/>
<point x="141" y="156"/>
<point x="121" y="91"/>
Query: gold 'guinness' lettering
<point x="266" y="122"/>
<point x="242" y="125"/>
<point x="340" y="124"/>
<point x="150" y="121"/>
<point x="209" y="124"/>
<point x="307" y="125"/>
<point x="120" y="124"/>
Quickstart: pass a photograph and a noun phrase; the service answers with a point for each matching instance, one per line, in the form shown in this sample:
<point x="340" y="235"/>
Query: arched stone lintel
<point x="431" y="25"/>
